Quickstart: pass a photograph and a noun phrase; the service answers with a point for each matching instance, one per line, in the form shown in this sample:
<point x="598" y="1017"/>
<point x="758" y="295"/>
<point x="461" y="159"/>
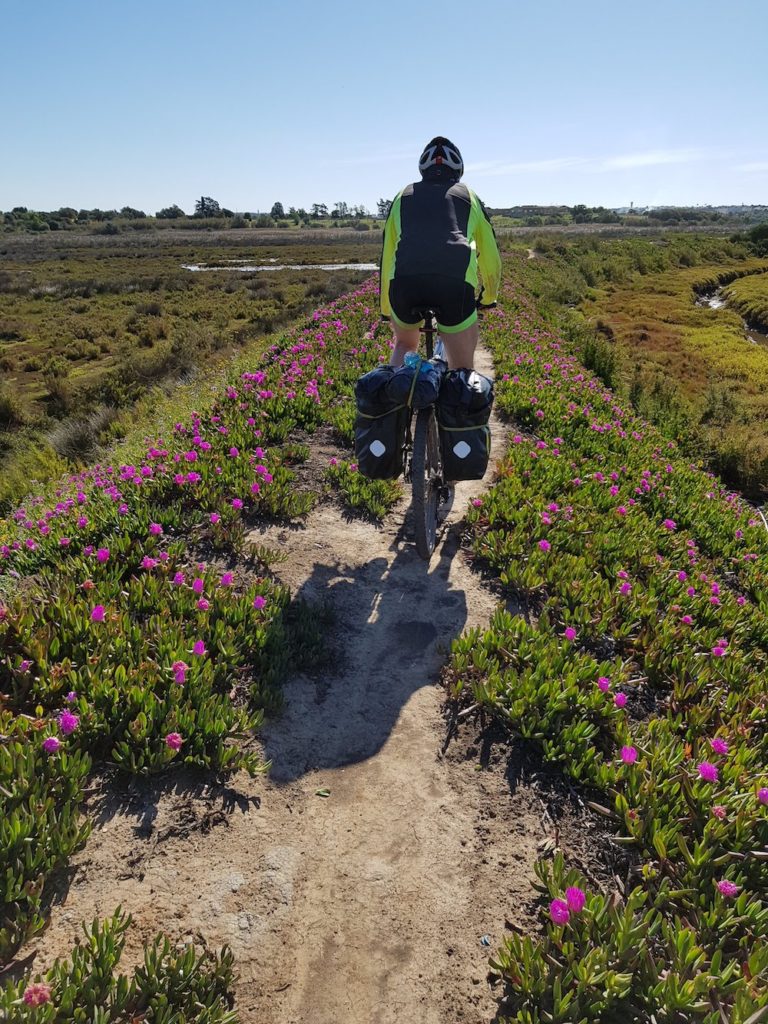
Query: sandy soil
<point x="369" y="877"/>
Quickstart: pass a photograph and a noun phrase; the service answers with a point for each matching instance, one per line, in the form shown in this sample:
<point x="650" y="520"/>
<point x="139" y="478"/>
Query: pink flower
<point x="71" y="697"/>
<point x="719" y="746"/>
<point x="719" y="811"/>
<point x="155" y="529"/>
<point x="620" y="700"/>
<point x="477" y="502"/>
<point x="97" y="615"/>
<point x="198" y="585"/>
<point x="148" y="563"/>
<point x="682" y="576"/>
<point x="625" y="589"/>
<point x="37" y="994"/>
<point x="575" y="899"/>
<point x="718" y="652"/>
<point x="729" y="889"/>
<point x="762" y="795"/>
<point x="628" y="755"/>
<point x="51" y="745"/>
<point x="669" y="524"/>
<point x="203" y="605"/>
<point x="259" y="602"/>
<point x="174" y="741"/>
<point x="559" y="912"/>
<point x="227" y="579"/>
<point x="604" y="683"/>
<point x="103" y="554"/>
<point x="178" y="579"/>
<point x="687" y="620"/>
<point x="68" y="722"/>
<point x="198" y="647"/>
<point x="215" y="518"/>
<point x="544" y="545"/>
<point x="621" y="510"/>
<point x="180" y="669"/>
<point x="237" y="503"/>
<point x="569" y="633"/>
<point x="708" y="771"/>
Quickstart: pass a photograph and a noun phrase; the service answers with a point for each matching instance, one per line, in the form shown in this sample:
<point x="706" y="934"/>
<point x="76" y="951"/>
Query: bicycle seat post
<point x="428" y="330"/>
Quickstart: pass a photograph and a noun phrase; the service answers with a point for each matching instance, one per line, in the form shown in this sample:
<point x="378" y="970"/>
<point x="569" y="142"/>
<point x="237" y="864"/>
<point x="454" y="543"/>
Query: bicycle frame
<point x="423" y="460"/>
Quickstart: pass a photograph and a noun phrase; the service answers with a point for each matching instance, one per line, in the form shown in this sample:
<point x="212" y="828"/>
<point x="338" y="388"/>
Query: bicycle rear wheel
<point x="427" y="478"/>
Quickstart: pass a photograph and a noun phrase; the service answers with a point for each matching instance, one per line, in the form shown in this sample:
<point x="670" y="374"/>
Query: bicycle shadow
<point x="394" y="617"/>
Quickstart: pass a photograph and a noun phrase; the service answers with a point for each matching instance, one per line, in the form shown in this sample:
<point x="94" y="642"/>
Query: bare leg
<point x="406" y="340"/>
<point x="460" y="347"/>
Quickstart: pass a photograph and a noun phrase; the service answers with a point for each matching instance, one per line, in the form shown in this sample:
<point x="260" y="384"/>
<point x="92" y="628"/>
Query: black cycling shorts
<point x="452" y="300"/>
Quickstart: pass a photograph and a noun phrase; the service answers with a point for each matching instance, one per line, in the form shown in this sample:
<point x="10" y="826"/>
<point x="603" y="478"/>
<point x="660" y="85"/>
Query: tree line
<point x="206" y="208"/>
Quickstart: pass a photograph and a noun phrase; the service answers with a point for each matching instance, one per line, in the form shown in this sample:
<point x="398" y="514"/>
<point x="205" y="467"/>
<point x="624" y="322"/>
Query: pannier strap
<point x="368" y="416"/>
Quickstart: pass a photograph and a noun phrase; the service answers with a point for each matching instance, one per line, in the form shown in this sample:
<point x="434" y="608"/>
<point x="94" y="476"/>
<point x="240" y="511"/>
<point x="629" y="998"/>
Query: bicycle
<point x="423" y="456"/>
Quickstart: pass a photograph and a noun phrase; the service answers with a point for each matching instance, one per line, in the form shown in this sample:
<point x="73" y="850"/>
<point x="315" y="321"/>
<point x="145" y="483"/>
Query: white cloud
<point x="491" y="168"/>
<point x="652" y="158"/>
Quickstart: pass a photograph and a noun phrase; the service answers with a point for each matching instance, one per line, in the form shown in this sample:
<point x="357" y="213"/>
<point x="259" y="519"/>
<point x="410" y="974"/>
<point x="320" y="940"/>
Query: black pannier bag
<point x="463" y="410"/>
<point x="379" y="427"/>
<point x="417" y="386"/>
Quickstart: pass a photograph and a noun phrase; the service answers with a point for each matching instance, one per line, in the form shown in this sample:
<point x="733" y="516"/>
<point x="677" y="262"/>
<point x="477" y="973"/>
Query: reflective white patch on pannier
<point x="461" y="450"/>
<point x="377" y="448"/>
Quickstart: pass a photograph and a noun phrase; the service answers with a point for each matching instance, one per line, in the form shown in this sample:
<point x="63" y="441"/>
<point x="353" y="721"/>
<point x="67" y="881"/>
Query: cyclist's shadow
<point x="392" y="625"/>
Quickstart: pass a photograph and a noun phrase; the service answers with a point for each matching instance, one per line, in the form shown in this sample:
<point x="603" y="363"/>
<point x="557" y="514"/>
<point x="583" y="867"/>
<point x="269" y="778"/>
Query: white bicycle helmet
<point x="441" y="152"/>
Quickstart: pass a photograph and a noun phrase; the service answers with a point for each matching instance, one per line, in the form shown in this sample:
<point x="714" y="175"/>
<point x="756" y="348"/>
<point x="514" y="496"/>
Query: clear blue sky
<point x="108" y="103"/>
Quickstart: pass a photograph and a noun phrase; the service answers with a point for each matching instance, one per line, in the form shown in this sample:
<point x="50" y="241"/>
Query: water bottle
<point x="413" y="360"/>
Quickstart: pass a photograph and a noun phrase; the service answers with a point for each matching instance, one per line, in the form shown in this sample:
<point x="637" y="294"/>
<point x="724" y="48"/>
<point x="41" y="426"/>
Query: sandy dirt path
<point x="367" y="905"/>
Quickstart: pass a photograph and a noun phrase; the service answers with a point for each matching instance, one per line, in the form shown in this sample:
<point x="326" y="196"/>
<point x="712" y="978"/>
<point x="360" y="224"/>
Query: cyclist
<point x="436" y="235"/>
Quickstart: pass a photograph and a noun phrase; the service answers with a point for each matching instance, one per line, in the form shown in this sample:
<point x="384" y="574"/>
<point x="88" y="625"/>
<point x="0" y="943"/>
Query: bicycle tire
<point x="426" y="472"/>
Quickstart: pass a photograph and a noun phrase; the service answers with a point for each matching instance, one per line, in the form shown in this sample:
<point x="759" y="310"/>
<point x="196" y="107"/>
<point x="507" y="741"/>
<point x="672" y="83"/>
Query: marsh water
<point x="236" y="265"/>
<point x="716" y="300"/>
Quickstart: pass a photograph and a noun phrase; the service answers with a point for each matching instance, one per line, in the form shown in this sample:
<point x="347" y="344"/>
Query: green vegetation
<point x="86" y="330"/>
<point x="139" y="628"/>
<point x="631" y="307"/>
<point x="638" y="666"/>
<point x="169" y="986"/>
<point x="641" y="673"/>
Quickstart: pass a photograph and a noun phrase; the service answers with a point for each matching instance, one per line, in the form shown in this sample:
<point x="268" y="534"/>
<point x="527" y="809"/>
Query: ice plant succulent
<point x="559" y="912"/>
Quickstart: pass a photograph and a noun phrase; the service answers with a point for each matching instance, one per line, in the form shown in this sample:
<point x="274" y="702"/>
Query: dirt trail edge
<point x="356" y="882"/>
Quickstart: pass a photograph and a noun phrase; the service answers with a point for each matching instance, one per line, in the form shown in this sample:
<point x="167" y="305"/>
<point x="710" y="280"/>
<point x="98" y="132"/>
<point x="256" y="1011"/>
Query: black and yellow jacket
<point x="440" y="227"/>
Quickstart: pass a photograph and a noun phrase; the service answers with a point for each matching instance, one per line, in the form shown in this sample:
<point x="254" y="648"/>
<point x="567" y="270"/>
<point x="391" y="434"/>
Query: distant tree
<point x="383" y="206"/>
<point x="277" y="211"/>
<point x="340" y="210"/>
<point x="170" y="213"/>
<point x="207" y="207"/>
<point x="66" y="214"/>
<point x="227" y="213"/>
<point x="131" y="214"/>
<point x="319" y="210"/>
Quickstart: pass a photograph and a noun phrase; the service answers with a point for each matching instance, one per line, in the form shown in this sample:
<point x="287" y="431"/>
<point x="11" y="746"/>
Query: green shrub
<point x="172" y="986"/>
<point x="12" y="412"/>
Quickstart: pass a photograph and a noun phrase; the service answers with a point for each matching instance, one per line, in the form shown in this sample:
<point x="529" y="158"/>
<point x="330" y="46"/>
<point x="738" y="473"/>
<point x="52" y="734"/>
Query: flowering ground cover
<point x="642" y="673"/>
<point x="136" y="628"/>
